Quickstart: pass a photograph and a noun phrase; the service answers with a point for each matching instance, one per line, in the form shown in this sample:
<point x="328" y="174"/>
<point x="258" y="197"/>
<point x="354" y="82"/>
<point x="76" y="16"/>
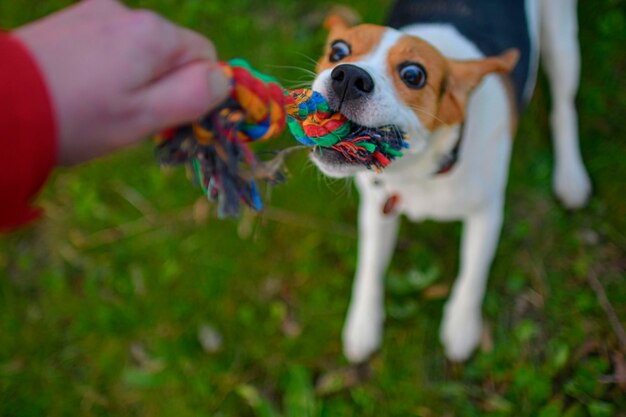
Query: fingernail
<point x="219" y="86"/>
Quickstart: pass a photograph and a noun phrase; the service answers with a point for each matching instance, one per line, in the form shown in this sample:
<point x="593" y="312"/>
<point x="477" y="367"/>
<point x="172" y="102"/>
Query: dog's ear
<point x="341" y="17"/>
<point x="463" y="77"/>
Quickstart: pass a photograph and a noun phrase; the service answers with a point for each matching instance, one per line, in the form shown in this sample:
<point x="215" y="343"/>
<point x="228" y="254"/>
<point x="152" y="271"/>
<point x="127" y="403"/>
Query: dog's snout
<point x="350" y="82"/>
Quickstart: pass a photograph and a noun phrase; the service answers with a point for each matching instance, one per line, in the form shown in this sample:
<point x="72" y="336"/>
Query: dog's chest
<point x="443" y="199"/>
<point x="492" y="25"/>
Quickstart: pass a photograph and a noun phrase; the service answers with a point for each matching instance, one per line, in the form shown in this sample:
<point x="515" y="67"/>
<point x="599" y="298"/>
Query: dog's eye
<point x="413" y="75"/>
<point x="338" y="51"/>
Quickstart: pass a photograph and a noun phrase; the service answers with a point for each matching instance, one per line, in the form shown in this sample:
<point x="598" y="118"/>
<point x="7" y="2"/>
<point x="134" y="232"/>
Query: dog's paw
<point x="460" y="331"/>
<point x="362" y="334"/>
<point x="572" y="185"/>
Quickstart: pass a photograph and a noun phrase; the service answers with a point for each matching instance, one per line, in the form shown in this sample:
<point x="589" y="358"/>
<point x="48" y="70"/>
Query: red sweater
<point x="28" y="133"/>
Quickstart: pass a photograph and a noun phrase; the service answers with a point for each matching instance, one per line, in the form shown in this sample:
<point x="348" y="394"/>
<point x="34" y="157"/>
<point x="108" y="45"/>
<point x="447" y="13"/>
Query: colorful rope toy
<point x="216" y="150"/>
<point x="313" y="123"/>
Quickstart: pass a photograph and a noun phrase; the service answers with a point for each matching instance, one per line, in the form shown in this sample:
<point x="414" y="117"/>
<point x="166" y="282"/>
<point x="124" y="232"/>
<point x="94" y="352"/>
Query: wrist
<point x="33" y="107"/>
<point x="29" y="132"/>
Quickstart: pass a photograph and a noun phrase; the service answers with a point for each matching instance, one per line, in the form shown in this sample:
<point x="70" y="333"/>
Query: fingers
<point x="96" y="9"/>
<point x="182" y="96"/>
<point x="101" y="8"/>
<point x="191" y="46"/>
<point x="160" y="46"/>
<point x="85" y="12"/>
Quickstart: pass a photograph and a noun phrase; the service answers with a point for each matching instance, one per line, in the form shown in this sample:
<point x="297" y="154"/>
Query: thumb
<point x="184" y="95"/>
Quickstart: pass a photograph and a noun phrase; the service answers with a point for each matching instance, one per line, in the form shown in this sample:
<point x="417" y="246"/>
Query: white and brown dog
<point x="454" y="77"/>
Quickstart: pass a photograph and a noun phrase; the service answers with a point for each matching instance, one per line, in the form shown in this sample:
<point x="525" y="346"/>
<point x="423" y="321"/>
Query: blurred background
<point x="132" y="299"/>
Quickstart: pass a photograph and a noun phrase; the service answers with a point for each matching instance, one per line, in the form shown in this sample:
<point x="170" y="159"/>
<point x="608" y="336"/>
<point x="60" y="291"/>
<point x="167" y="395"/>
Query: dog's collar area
<point x="449" y="160"/>
<point x="391" y="204"/>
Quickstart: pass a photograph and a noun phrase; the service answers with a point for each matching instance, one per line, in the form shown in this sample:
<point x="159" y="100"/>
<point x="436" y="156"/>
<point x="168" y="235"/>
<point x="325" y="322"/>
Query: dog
<point x="455" y="78"/>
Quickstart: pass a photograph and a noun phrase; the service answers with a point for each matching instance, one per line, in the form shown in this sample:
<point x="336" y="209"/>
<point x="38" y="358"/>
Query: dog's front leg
<point x="561" y="60"/>
<point x="362" y="332"/>
<point x="462" y="320"/>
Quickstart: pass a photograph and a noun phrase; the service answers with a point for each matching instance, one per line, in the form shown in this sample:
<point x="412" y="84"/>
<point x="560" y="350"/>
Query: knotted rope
<point x="216" y="150"/>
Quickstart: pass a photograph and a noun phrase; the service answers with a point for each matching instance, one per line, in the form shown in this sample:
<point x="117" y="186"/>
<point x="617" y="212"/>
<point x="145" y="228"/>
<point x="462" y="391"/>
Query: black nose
<point x="350" y="82"/>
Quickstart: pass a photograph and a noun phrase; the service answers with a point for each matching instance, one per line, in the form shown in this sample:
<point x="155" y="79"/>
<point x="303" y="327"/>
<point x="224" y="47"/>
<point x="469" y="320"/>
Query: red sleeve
<point x="28" y="133"/>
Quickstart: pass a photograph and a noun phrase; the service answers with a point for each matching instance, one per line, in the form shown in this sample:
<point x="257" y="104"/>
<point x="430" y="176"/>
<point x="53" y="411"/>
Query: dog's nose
<point x="350" y="82"/>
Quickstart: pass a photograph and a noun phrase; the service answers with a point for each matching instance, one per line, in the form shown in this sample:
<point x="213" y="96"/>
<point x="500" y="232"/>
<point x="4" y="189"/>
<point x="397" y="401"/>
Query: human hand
<point x="116" y="75"/>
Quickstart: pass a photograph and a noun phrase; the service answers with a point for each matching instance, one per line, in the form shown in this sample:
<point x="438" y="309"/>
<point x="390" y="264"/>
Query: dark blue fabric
<point x="492" y="25"/>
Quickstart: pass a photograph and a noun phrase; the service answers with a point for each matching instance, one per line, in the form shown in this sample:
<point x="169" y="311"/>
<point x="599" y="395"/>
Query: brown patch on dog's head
<point x="443" y="98"/>
<point x="424" y="101"/>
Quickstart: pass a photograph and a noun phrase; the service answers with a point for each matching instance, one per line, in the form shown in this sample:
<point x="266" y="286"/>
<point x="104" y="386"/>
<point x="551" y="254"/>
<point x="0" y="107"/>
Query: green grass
<point x="115" y="305"/>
